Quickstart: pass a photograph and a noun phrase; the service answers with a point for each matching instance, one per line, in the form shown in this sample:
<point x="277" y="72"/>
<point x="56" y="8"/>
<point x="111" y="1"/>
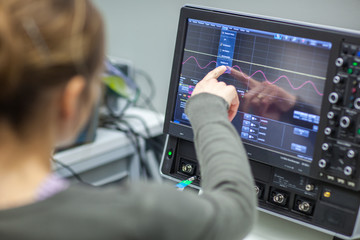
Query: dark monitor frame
<point x="304" y="30"/>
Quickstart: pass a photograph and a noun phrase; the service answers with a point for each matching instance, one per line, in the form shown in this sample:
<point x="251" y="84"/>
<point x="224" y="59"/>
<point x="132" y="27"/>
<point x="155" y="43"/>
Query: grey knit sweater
<point x="226" y="209"/>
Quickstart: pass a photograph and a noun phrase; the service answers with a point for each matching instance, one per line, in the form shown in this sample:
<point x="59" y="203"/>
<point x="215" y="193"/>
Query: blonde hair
<point x="43" y="43"/>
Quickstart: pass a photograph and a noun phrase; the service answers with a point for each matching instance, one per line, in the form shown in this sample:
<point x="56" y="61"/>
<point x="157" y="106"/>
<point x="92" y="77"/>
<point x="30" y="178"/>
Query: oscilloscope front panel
<point x="299" y="115"/>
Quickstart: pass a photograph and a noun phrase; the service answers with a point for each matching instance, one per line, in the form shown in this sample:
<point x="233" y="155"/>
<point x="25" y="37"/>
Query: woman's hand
<point x="210" y="84"/>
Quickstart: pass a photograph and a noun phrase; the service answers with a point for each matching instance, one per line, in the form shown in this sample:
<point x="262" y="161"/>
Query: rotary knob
<point x="341" y="62"/>
<point x="345" y="122"/>
<point x="326" y="147"/>
<point x="323" y="163"/>
<point x="338" y="80"/>
<point x="328" y="131"/>
<point x="357" y="103"/>
<point x="348" y="171"/>
<point x="331" y="115"/>
<point x="334" y="97"/>
<point x="351" y="153"/>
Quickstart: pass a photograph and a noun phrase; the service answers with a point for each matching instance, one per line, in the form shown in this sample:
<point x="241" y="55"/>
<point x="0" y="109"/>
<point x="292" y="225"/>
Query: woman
<point x="51" y="54"/>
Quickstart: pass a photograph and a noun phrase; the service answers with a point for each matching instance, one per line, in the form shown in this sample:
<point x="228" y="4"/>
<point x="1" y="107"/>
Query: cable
<point x="149" y="80"/>
<point x="183" y="184"/>
<point x="73" y="173"/>
<point x="156" y="146"/>
<point x="147" y="130"/>
<point x="131" y="134"/>
<point x="140" y="151"/>
<point x="148" y="99"/>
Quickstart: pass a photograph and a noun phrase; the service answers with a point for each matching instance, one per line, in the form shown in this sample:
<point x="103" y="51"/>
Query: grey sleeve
<point x="227" y="208"/>
<point x="226" y="176"/>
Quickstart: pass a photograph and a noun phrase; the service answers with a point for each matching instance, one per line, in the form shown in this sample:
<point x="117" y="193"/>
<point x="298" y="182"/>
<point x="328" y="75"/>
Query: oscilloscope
<point x="299" y="114"/>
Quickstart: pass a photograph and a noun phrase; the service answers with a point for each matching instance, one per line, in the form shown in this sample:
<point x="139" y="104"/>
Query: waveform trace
<point x="262" y="73"/>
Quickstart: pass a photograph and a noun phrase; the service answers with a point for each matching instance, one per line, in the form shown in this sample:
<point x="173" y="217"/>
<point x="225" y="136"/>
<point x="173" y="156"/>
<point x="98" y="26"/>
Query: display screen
<point x="279" y="79"/>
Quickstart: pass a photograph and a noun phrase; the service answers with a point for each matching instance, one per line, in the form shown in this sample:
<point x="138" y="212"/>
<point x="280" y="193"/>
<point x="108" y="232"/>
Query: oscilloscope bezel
<point x="298" y="29"/>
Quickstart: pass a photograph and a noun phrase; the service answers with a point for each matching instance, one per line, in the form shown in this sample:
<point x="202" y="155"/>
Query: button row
<point x="351" y="49"/>
<point x="337" y="180"/>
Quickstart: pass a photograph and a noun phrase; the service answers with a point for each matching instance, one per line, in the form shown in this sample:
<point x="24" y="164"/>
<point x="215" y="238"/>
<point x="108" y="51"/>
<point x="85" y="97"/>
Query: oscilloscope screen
<point x="279" y="78"/>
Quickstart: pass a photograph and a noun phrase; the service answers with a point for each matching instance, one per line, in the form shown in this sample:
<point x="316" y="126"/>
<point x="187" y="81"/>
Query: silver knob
<point x="309" y="187"/>
<point x="345" y="122"/>
<point x="348" y="171"/>
<point x="327" y="131"/>
<point x="330" y="115"/>
<point x="339" y="62"/>
<point x="333" y="97"/>
<point x="357" y="103"/>
<point x="351" y="153"/>
<point x="322" y="163"/>
<point x="325" y="146"/>
<point x="337" y="79"/>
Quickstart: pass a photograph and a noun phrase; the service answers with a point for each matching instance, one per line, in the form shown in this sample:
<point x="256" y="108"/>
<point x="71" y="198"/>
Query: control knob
<point x="357" y="103"/>
<point x="348" y="171"/>
<point x="341" y="62"/>
<point x="331" y="115"/>
<point x="323" y="163"/>
<point x="345" y="122"/>
<point x="334" y="97"/>
<point x="351" y="153"/>
<point x="338" y="80"/>
<point x="326" y="147"/>
<point x="328" y="131"/>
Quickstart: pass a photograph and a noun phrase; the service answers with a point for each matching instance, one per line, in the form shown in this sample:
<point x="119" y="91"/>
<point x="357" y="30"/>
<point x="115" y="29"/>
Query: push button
<point x="351" y="184"/>
<point x="345" y="48"/>
<point x="340" y="181"/>
<point x="353" y="50"/>
<point x="327" y="194"/>
<point x="330" y="178"/>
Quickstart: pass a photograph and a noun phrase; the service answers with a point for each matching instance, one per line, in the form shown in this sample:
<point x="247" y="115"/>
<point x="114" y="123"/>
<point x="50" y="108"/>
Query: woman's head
<point x="51" y="52"/>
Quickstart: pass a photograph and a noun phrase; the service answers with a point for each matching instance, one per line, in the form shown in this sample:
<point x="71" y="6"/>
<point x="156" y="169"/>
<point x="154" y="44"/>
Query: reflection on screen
<point x="279" y="78"/>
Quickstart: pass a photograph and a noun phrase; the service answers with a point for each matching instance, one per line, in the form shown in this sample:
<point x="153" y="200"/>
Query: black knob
<point x="348" y="171"/>
<point x="323" y="163"/>
<point x="345" y="122"/>
<point x="334" y="97"/>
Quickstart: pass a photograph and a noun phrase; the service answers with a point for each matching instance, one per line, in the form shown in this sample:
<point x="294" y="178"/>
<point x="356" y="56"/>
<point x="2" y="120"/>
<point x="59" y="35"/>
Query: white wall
<point x="144" y="31"/>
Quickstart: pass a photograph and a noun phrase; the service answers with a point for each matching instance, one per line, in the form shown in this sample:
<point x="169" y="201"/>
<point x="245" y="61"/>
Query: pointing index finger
<point x="217" y="72"/>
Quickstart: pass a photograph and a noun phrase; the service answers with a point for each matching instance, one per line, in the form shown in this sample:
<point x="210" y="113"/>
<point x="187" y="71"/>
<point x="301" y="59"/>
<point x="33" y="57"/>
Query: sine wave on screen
<point x="262" y="73"/>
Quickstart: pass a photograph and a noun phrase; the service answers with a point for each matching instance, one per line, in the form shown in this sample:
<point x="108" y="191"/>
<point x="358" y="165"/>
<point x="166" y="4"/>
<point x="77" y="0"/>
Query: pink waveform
<point x="192" y="57"/>
<point x="262" y="73"/>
